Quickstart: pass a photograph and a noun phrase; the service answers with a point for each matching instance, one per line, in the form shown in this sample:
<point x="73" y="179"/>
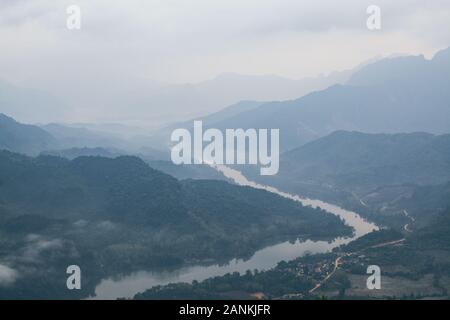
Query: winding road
<point x="338" y="260"/>
<point x="337" y="263"/>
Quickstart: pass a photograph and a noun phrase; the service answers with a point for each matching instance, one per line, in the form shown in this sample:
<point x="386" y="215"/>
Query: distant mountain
<point x="73" y="153"/>
<point x="404" y="94"/>
<point x="161" y="138"/>
<point x="23" y="138"/>
<point x="368" y="173"/>
<point x="33" y="139"/>
<point x="124" y="98"/>
<point x="359" y="161"/>
<point x="118" y="130"/>
<point x="252" y="92"/>
<point x="72" y="141"/>
<point x="228" y="112"/>
<point x="177" y="102"/>
<point x="406" y="71"/>
<point x="78" y="137"/>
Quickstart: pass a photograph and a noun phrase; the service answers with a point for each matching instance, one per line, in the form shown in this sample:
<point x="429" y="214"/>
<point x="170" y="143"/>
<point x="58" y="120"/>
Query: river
<point x="264" y="259"/>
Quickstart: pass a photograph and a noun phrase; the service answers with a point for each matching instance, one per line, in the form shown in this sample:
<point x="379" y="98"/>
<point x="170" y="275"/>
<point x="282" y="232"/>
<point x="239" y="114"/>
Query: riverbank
<point x="264" y="259"/>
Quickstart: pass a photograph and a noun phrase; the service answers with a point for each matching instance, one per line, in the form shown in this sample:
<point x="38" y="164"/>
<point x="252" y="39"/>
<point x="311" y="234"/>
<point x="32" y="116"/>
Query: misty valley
<point x="346" y="173"/>
<point x="115" y="216"/>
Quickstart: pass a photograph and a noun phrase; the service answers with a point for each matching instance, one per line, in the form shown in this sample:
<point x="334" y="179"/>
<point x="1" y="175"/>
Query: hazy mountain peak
<point x="442" y="55"/>
<point x="389" y="69"/>
<point x="4" y="117"/>
<point x="239" y="76"/>
<point x="406" y="69"/>
<point x="18" y="137"/>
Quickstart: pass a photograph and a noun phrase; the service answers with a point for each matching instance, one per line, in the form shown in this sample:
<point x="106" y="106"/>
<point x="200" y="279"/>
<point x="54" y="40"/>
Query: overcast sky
<point x="177" y="41"/>
<point x="193" y="40"/>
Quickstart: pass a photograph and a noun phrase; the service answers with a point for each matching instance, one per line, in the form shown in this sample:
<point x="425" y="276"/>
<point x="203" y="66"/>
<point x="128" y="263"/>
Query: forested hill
<point x="360" y="162"/>
<point x="113" y="216"/>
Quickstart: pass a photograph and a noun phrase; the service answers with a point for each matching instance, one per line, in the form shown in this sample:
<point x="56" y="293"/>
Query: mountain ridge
<point x="401" y="101"/>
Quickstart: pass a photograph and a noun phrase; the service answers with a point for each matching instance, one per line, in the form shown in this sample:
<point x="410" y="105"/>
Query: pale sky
<point x="179" y="41"/>
<point x="193" y="40"/>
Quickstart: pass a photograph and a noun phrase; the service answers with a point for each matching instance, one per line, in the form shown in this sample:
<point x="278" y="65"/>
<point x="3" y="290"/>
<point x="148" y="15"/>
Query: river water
<point x="264" y="259"/>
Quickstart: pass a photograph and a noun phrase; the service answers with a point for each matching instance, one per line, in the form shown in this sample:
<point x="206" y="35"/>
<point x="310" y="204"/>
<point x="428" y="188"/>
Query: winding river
<point x="263" y="259"/>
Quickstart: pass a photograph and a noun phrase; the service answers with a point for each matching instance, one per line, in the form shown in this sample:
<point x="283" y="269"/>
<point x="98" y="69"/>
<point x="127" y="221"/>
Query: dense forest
<point x="113" y="216"/>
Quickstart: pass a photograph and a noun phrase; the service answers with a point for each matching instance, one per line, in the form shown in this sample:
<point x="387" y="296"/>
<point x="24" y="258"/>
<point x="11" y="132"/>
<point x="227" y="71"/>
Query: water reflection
<point x="263" y="259"/>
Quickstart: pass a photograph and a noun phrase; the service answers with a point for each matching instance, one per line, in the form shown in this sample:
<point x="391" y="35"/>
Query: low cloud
<point x="7" y="275"/>
<point x="38" y="245"/>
